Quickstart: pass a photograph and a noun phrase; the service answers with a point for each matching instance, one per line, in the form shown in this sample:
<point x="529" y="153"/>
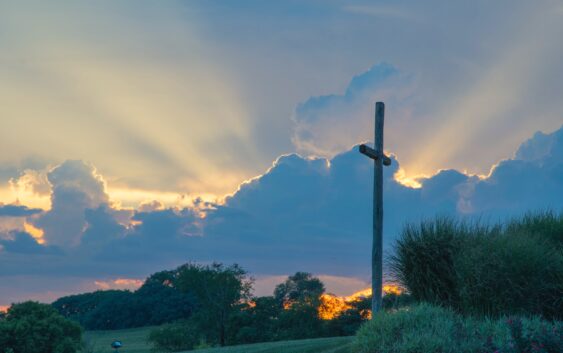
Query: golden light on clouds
<point x="491" y="114"/>
<point x="401" y="178"/>
<point x="119" y="283"/>
<point x="36" y="233"/>
<point x="152" y="110"/>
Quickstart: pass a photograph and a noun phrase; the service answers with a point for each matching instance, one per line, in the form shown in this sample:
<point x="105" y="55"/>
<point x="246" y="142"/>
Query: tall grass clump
<point x="545" y="226"/>
<point x="515" y="268"/>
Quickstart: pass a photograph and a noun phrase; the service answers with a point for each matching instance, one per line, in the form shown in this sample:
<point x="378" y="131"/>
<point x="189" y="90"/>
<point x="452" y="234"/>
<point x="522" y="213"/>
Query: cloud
<point x="17" y="211"/>
<point x="315" y="213"/>
<point x="76" y="186"/>
<point x="327" y="125"/>
<point x="24" y="243"/>
<point x="119" y="283"/>
<point x="303" y="213"/>
<point x="531" y="180"/>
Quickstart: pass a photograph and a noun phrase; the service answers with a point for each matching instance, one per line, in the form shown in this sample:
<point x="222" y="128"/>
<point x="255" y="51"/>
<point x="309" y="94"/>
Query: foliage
<point x="257" y="322"/>
<point x="219" y="289"/>
<point x="302" y="288"/>
<point x="546" y="226"/>
<point x="427" y="328"/>
<point x="157" y="301"/>
<point x="175" y="337"/>
<point x="392" y="301"/>
<point x="421" y="328"/>
<point x="490" y="270"/>
<point x="31" y="327"/>
<point x="533" y="335"/>
<point x="510" y="274"/>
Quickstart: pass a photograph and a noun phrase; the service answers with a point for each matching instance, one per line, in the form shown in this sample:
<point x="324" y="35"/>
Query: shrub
<point x="500" y="270"/>
<point x="421" y="328"/>
<point x="429" y="329"/>
<point x="510" y="274"/>
<point x="542" y="225"/>
<point x="175" y="337"/>
<point x="424" y="258"/>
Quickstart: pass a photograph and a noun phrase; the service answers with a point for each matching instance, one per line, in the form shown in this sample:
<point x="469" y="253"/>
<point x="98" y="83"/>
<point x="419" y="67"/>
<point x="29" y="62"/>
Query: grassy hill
<point x="134" y="341"/>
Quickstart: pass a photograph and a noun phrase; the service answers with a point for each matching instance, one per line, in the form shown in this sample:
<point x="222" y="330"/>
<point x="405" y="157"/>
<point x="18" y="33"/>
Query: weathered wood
<point x="379" y="160"/>
<point x="377" y="247"/>
<point x="370" y="152"/>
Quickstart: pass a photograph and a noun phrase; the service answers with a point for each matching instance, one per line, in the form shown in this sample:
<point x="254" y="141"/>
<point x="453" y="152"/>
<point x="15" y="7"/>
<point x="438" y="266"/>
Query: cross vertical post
<point x="379" y="160"/>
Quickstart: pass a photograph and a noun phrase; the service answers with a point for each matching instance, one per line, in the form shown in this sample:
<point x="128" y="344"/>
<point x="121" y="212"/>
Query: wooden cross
<point x="379" y="160"/>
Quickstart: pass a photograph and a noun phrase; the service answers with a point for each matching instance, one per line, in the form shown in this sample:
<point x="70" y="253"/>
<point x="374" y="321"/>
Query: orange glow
<point x="392" y="289"/>
<point x="36" y="233"/>
<point x="119" y="283"/>
<point x="332" y="305"/>
<point x="412" y="182"/>
<point x="4" y="308"/>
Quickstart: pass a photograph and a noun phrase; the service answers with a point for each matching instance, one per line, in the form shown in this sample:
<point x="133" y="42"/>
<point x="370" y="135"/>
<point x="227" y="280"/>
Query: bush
<point x="32" y="327"/>
<point x="429" y="329"/>
<point x="546" y="226"/>
<point x="510" y="274"/>
<point x="500" y="270"/>
<point x="175" y="337"/>
<point x="422" y="328"/>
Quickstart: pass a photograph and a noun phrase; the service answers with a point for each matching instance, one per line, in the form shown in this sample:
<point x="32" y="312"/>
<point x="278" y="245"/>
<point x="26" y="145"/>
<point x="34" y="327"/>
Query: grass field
<point x="134" y="341"/>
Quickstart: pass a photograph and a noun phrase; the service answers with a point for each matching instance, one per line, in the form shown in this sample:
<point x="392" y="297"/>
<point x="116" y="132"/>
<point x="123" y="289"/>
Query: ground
<point x="134" y="341"/>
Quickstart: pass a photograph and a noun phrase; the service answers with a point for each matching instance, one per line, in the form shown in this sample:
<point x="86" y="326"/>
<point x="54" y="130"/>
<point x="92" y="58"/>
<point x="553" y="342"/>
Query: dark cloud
<point x="17" y="211"/>
<point x="23" y="243"/>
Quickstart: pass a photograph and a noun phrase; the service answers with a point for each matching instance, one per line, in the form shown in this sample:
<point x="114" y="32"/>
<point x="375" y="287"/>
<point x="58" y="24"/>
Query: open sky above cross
<point x="379" y="160"/>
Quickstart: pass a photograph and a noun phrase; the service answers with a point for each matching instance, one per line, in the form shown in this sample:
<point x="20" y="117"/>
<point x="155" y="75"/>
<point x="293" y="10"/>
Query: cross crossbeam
<point x="371" y="153"/>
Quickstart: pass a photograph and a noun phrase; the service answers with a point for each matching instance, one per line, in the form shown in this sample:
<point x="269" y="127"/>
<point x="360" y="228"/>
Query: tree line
<point x="213" y="305"/>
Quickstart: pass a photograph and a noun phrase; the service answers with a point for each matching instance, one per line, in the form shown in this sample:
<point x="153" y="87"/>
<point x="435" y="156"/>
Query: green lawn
<point x="316" y="345"/>
<point x="134" y="341"/>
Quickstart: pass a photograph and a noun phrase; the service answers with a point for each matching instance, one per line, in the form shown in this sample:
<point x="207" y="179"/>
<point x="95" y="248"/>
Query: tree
<point x="156" y="302"/>
<point x="302" y="288"/>
<point x="218" y="290"/>
<point x="255" y="322"/>
<point x="31" y="327"/>
<point x="300" y="296"/>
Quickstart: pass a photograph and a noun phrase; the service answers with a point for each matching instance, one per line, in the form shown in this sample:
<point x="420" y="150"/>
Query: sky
<point x="138" y="135"/>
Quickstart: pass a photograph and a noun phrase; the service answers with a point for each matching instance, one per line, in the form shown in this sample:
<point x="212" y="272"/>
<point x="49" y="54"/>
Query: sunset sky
<point x="138" y="135"/>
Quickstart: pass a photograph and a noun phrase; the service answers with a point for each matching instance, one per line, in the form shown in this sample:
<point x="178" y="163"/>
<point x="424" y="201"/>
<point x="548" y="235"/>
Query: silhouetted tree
<point x="156" y="302"/>
<point x="302" y="288"/>
<point x="219" y="290"/>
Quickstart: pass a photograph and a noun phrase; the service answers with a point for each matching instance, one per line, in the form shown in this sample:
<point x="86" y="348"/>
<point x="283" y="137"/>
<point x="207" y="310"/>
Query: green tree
<point x="301" y="288"/>
<point x="219" y="290"/>
<point x="31" y="327"/>
<point x="300" y="297"/>
<point x="156" y="302"/>
<point x="256" y="322"/>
